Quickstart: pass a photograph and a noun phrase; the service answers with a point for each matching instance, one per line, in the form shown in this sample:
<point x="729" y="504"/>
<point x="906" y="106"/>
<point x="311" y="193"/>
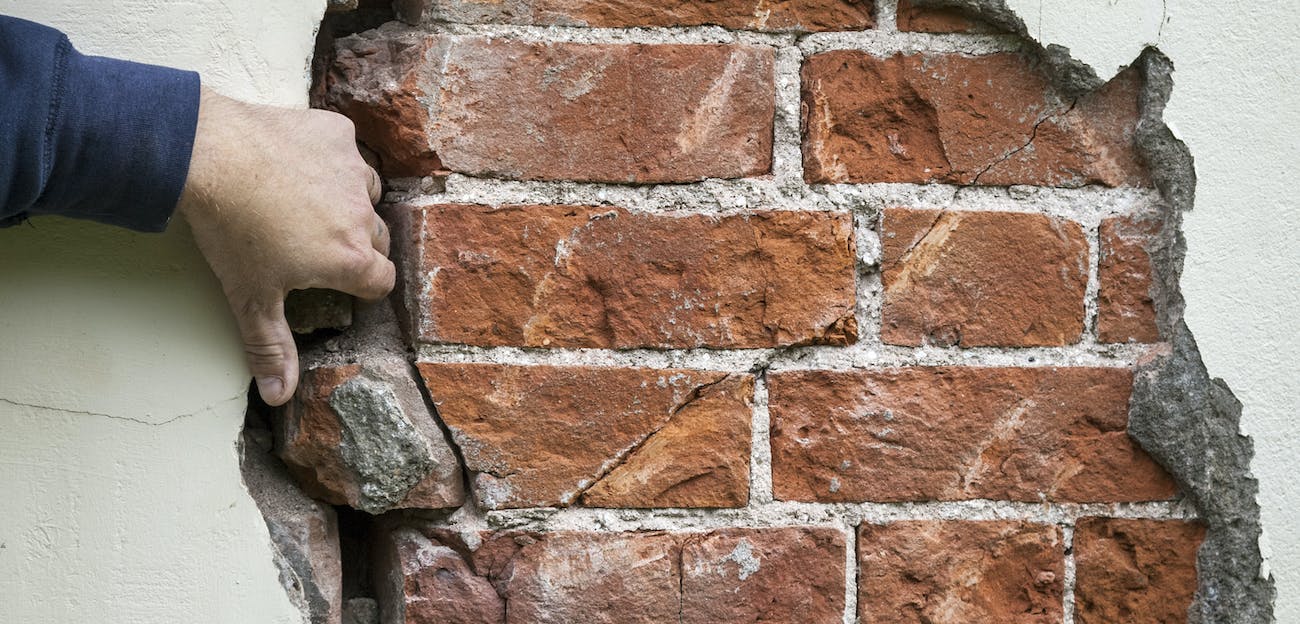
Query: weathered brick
<point x="570" y="276"/>
<point x="954" y="572"/>
<point x="975" y="279"/>
<point x="1125" y="309"/>
<point x="763" y="575"/>
<point x="1135" y="571"/>
<point x="913" y="17"/>
<point x="949" y="433"/>
<point x="361" y="435"/>
<point x="987" y="120"/>
<point x="623" y="113"/>
<point x="774" y="16"/>
<point x="615" y="437"/>
<point x="729" y="576"/>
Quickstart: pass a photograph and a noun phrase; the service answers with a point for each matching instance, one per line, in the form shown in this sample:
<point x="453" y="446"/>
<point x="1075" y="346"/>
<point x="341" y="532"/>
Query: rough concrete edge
<point x="1187" y="421"/>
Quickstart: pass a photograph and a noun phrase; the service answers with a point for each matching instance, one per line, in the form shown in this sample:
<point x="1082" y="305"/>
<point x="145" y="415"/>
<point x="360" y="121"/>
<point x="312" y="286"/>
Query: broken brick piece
<point x="956" y="571"/>
<point x="1135" y="571"/>
<point x="979" y="279"/>
<point x="914" y="17"/>
<point x="361" y="435"/>
<point x="958" y="433"/>
<point x="546" y="435"/>
<point x="988" y="120"/>
<point x="600" y="277"/>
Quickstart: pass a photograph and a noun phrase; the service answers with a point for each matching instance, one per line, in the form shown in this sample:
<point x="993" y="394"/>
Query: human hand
<point x="281" y="200"/>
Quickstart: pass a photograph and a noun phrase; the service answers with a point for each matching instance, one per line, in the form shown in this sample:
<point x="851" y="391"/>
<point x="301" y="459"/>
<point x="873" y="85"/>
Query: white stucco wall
<point x="122" y="386"/>
<point x="1234" y="104"/>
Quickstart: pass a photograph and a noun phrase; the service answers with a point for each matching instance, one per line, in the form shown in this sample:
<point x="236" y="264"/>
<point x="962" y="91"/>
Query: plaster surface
<point x="1235" y="68"/>
<point x="122" y="384"/>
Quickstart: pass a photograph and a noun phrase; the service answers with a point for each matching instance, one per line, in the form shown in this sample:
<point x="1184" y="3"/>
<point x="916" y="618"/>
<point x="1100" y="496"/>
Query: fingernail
<point x="270" y="388"/>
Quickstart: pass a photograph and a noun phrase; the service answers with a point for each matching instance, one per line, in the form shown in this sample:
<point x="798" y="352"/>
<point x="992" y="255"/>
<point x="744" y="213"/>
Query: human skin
<point x="280" y="200"/>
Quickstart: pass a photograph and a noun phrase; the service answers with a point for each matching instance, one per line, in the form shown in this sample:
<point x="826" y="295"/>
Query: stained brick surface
<point x="772" y="16"/>
<point x="976" y="279"/>
<point x="1125" y="308"/>
<point x="1135" y="571"/>
<point x="988" y="120"/>
<point x="917" y="18"/>
<point x="545" y="436"/>
<point x="954" y="433"/>
<point x="955" y="572"/>
<point x="573" y="276"/>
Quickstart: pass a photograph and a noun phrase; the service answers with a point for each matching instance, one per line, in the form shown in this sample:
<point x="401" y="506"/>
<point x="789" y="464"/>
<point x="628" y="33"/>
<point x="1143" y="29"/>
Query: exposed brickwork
<point x="988" y="120"/>
<point x="954" y="433"/>
<point x="730" y="576"/>
<point x="537" y="436"/>
<point x="915" y="18"/>
<point x="594" y="112"/>
<point x="949" y="572"/>
<point x="1138" y="571"/>
<point x="775" y="16"/>
<point x="1125" y="309"/>
<point x="976" y="279"/>
<point x="572" y="276"/>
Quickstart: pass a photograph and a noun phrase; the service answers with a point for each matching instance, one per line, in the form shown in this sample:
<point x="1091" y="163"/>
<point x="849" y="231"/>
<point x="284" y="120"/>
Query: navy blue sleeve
<point x="87" y="136"/>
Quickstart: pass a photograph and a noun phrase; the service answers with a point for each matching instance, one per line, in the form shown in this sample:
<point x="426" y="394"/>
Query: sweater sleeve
<point x="90" y="137"/>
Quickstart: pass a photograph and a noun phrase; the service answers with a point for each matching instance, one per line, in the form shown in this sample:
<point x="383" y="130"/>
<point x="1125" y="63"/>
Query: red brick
<point x="1135" y="571"/>
<point x="1125" y="309"/>
<point x="954" y="572"/>
<point x="947" y="433"/>
<point x="987" y="120"/>
<point x="976" y="279"/>
<point x="763" y="575"/>
<point x="421" y="581"/>
<point x="391" y="458"/>
<point x="773" y="16"/>
<point x="571" y="276"/>
<point x="544" y="436"/>
<point x="502" y="108"/>
<point x="916" y="18"/>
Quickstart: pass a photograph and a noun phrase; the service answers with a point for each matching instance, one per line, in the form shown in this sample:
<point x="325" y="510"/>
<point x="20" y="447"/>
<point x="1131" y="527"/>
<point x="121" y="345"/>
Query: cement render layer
<point x="122" y="384"/>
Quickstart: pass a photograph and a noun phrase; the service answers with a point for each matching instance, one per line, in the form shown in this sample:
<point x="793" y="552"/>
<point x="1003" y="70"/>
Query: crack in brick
<point x="1033" y="134"/>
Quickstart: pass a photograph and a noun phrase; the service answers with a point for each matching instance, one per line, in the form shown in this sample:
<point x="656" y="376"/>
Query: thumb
<point x="269" y="349"/>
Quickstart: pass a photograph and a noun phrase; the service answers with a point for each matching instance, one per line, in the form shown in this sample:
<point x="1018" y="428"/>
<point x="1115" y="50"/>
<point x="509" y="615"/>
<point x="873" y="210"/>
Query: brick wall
<point x="801" y="311"/>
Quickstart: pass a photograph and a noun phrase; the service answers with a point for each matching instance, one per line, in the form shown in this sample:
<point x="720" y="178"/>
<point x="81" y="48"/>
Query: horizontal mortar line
<point x="783" y="513"/>
<point x="742" y="196"/>
<point x="852" y="357"/>
<point x="875" y="41"/>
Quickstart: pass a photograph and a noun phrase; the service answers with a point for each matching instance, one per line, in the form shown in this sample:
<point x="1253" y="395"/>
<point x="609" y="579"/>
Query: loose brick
<point x="570" y="276"/>
<point x="544" y="436"/>
<point x="947" y="433"/>
<point x="986" y="120"/>
<point x="913" y="17"/>
<point x="1125" y="309"/>
<point x="775" y="16"/>
<point x="420" y="580"/>
<point x="975" y="279"/>
<point x="1135" y="571"/>
<point x="953" y="572"/>
<point x="561" y="111"/>
<point x="763" y="575"/>
<point x="361" y="435"/>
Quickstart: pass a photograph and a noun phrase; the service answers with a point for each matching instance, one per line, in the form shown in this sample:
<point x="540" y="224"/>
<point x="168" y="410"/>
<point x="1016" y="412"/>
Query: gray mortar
<point x="387" y="452"/>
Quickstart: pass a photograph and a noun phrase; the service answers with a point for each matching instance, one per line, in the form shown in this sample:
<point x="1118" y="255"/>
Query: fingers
<point x="375" y="185"/>
<point x="269" y="349"/>
<point x="379" y="236"/>
<point x="371" y="280"/>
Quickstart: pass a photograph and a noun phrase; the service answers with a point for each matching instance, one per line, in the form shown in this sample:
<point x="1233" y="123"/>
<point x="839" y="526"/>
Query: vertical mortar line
<point x="850" y="572"/>
<point x="787" y="132"/>
<point x="869" y="287"/>
<point x="760" y="450"/>
<point x="1091" y="231"/>
<point x="1067" y="596"/>
<point x="887" y="16"/>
